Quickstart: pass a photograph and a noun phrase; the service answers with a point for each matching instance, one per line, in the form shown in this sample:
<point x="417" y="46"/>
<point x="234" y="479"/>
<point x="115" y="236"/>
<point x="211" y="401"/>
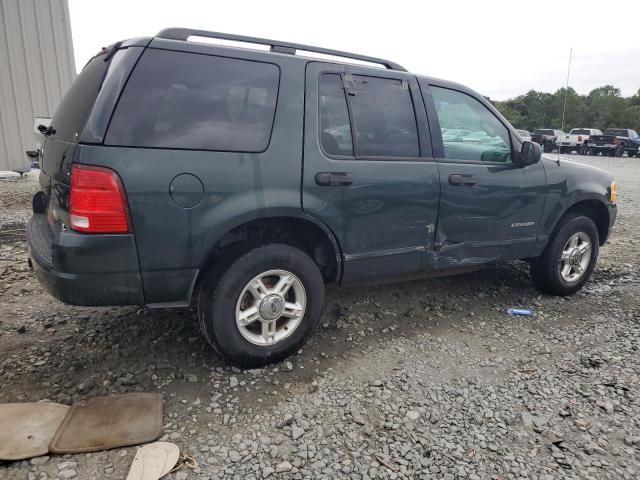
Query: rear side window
<point x="383" y="118"/>
<point x="335" y="129"/>
<point x="193" y="101"/>
<point x="73" y="112"/>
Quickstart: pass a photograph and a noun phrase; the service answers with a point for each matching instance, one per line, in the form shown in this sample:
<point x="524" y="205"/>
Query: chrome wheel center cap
<point x="576" y="257"/>
<point x="271" y="307"/>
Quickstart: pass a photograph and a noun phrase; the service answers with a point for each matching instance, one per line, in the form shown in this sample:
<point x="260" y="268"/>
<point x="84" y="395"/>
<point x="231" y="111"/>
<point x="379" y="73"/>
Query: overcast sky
<point x="499" y="48"/>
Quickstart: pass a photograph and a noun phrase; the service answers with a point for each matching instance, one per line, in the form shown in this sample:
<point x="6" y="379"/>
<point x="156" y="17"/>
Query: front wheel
<point x="569" y="259"/>
<point x="262" y="308"/>
<point x="548" y="148"/>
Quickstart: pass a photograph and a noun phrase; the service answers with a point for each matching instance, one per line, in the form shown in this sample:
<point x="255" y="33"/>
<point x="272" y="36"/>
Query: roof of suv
<point x="276" y="46"/>
<point x="303" y="52"/>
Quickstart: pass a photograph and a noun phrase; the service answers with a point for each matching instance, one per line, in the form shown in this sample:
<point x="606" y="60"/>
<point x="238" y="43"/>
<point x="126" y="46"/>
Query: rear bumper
<point x="87" y="270"/>
<point x="607" y="146"/>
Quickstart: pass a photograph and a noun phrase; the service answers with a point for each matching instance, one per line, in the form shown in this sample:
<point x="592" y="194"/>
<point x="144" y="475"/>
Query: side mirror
<point x="530" y="153"/>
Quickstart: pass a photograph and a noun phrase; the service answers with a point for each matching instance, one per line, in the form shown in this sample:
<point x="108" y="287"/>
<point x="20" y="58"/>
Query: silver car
<point x="525" y="135"/>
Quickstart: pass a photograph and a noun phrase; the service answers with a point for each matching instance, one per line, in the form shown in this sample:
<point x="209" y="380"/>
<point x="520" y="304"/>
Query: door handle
<point x="333" y="179"/>
<point x="462" y="180"/>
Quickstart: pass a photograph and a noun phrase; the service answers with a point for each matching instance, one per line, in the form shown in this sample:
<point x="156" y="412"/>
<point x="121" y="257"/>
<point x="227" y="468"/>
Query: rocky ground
<point x="427" y="379"/>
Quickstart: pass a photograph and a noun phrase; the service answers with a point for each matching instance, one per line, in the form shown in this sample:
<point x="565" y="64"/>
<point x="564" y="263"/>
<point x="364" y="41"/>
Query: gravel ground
<point x="427" y="379"/>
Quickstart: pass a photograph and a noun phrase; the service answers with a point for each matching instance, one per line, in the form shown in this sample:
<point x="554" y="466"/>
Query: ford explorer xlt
<point x="246" y="180"/>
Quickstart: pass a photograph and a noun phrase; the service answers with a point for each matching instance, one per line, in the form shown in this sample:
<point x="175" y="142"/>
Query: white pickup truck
<point x="576" y="140"/>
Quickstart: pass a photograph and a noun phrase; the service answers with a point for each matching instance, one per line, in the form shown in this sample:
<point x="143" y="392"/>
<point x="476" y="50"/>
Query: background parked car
<point x="547" y="138"/>
<point x="614" y="142"/>
<point x="525" y="135"/>
<point x="577" y="140"/>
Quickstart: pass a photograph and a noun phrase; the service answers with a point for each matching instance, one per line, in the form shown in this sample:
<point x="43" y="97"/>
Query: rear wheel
<point x="619" y="151"/>
<point x="592" y="151"/>
<point x="262" y="308"/>
<point x="569" y="259"/>
<point x="548" y="148"/>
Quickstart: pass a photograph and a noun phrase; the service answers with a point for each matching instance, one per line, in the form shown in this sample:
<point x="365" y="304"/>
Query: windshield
<point x="617" y="132"/>
<point x="580" y="131"/>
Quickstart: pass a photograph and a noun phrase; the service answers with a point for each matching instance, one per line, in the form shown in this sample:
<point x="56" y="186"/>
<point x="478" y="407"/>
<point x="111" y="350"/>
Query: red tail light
<point x="615" y="140"/>
<point x="98" y="203"/>
<point x="579" y="138"/>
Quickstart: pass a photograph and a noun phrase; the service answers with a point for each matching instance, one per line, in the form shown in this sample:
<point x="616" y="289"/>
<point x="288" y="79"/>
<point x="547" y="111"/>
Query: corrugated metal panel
<point x="36" y="69"/>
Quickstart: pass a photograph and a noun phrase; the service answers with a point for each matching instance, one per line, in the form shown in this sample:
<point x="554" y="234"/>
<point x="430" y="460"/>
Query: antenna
<point x="566" y="89"/>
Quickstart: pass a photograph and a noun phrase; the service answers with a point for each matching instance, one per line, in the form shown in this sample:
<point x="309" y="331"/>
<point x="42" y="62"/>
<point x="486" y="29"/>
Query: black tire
<point x="222" y="288"/>
<point x="545" y="270"/>
<point x="619" y="151"/>
<point x="548" y="148"/>
<point x="561" y="150"/>
<point x="592" y="152"/>
<point x="583" y="150"/>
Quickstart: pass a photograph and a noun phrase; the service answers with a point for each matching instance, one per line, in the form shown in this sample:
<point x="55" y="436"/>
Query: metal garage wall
<point x="36" y="68"/>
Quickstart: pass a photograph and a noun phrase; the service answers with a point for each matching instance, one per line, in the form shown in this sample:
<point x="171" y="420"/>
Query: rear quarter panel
<point x="173" y="242"/>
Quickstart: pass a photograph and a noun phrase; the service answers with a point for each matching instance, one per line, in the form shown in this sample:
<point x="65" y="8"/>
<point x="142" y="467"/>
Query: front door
<point x="489" y="207"/>
<point x="369" y="173"/>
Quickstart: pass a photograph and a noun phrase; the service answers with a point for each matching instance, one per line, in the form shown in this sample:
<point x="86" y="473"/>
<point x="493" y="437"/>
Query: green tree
<point x="601" y="108"/>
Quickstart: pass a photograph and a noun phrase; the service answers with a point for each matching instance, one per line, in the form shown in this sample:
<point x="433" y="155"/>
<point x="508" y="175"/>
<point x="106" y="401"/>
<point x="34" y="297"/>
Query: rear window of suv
<point x="73" y="112"/>
<point x="197" y="102"/>
<point x="580" y="131"/>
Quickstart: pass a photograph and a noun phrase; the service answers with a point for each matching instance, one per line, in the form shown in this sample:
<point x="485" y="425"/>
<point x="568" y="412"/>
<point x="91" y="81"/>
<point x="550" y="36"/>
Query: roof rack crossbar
<point x="275" y="45"/>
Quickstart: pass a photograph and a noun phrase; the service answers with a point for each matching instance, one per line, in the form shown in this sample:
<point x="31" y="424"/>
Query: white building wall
<point x="36" y="69"/>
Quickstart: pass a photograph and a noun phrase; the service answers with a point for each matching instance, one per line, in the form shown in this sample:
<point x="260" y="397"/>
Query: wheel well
<point x="596" y="211"/>
<point x="296" y="232"/>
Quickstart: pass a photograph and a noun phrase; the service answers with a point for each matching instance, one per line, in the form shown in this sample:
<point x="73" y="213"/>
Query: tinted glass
<point x="72" y="114"/>
<point x="335" y="130"/>
<point x="384" y="122"/>
<point x="616" y="131"/>
<point x="192" y="101"/>
<point x="580" y="131"/>
<point x="469" y="130"/>
<point x="543" y="132"/>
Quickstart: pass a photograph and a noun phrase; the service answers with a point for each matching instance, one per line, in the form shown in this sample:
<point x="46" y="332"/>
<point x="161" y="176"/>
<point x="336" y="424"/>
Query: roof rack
<point x="275" y="45"/>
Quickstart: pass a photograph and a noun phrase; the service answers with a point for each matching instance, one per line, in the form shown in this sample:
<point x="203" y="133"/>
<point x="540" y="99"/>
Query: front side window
<point x="470" y="131"/>
<point x="383" y="117"/>
<point x="193" y="101"/>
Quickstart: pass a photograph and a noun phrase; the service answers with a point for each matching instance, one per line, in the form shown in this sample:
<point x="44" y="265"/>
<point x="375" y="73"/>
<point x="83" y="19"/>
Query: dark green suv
<point x="253" y="177"/>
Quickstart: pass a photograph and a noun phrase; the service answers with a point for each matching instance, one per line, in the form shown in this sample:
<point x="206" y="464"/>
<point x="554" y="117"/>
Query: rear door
<point x="490" y="205"/>
<point x="369" y="173"/>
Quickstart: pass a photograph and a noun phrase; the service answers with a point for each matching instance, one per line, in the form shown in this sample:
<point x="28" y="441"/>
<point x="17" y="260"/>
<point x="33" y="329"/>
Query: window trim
<point x="443" y="159"/>
<point x="397" y="159"/>
<point x="188" y="149"/>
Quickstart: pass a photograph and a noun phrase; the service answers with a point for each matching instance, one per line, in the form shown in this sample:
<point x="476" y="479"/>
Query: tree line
<point x="604" y="107"/>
